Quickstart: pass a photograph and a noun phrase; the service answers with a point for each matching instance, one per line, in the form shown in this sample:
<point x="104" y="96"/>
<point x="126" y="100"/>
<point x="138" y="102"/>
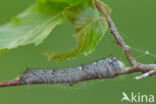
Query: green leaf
<point x="90" y="28"/>
<point x="32" y="26"/>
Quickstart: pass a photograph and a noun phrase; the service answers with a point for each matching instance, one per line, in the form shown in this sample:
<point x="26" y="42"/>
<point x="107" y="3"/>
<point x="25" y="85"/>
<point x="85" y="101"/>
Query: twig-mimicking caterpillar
<point x="106" y="68"/>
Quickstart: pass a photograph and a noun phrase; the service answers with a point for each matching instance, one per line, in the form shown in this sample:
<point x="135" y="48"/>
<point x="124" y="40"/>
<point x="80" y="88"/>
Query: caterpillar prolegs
<point x="106" y="68"/>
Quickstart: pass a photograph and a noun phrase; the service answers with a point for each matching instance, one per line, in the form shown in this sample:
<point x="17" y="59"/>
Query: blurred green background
<point x="136" y="22"/>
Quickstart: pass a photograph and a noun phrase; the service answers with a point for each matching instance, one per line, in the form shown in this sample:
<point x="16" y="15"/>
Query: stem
<point x="9" y="83"/>
<point x="135" y="66"/>
<point x="114" y="31"/>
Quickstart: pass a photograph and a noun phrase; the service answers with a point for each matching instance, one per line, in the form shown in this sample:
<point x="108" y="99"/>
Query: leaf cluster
<point x="36" y="23"/>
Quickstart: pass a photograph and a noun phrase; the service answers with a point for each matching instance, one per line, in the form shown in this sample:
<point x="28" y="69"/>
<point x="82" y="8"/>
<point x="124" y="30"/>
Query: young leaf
<point x="32" y="26"/>
<point x="90" y="28"/>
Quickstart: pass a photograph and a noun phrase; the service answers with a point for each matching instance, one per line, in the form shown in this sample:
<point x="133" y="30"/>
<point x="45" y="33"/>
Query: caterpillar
<point x="106" y="68"/>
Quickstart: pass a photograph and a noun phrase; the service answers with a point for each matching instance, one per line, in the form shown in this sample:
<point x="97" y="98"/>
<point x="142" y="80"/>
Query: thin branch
<point x="107" y="68"/>
<point x="150" y="73"/>
<point x="148" y="70"/>
<point x="114" y="31"/>
<point x="9" y="83"/>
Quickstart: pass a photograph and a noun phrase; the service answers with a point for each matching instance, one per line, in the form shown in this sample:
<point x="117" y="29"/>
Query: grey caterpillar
<point x="106" y="68"/>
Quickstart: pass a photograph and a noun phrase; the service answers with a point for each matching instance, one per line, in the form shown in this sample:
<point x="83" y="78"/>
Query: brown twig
<point x="9" y="83"/>
<point x="114" y="31"/>
<point x="148" y="70"/>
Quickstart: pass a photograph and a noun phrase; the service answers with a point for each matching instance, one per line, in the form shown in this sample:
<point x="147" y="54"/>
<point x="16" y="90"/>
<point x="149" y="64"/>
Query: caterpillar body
<point x="106" y="68"/>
